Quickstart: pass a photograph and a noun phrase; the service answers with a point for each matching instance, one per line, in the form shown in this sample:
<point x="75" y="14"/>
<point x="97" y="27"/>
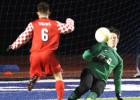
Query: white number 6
<point x="44" y="34"/>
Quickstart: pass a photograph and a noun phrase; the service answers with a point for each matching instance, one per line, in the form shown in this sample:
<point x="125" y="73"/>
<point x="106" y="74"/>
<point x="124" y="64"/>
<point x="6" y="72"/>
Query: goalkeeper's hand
<point x="118" y="95"/>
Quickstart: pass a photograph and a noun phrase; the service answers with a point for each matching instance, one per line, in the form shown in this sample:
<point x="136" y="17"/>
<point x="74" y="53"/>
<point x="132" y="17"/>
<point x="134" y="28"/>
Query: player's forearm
<point x="66" y="27"/>
<point x="24" y="37"/>
<point x="118" y="87"/>
<point x="117" y="82"/>
<point x="21" y="40"/>
<point x="118" y="72"/>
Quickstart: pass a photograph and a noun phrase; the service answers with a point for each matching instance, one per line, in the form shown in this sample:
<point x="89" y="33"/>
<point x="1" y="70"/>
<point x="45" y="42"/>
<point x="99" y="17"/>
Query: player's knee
<point x="58" y="76"/>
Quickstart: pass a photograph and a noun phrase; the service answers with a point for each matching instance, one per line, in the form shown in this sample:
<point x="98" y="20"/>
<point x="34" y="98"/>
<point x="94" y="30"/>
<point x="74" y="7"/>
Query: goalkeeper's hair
<point x="43" y="7"/>
<point x="115" y="30"/>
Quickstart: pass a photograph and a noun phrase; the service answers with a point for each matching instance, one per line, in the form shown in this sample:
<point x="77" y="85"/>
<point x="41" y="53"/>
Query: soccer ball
<point x="102" y="34"/>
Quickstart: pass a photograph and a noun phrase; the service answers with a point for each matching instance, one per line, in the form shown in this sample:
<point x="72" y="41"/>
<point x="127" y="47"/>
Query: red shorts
<point x="43" y="61"/>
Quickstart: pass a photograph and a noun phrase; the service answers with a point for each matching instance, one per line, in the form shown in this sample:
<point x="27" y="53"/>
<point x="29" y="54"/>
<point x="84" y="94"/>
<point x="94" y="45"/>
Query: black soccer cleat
<point x="32" y="82"/>
<point x="30" y="86"/>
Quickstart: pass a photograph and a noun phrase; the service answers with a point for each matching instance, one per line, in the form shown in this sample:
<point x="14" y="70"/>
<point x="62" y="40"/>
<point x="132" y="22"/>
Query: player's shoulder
<point x="120" y="58"/>
<point x="53" y="21"/>
<point x="102" y="44"/>
<point x="35" y="21"/>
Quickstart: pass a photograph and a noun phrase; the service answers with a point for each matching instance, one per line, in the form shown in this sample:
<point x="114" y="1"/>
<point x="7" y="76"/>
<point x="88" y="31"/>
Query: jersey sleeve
<point x="92" y="52"/>
<point x="118" y="72"/>
<point x="96" y="49"/>
<point x="66" y="27"/>
<point x="24" y="37"/>
<point x="87" y="55"/>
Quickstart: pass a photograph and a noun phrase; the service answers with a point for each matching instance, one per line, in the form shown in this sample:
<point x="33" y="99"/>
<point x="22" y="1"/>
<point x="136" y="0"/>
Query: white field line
<point x="65" y="80"/>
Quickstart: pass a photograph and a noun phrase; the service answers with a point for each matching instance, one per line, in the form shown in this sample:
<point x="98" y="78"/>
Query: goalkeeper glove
<point x="118" y="95"/>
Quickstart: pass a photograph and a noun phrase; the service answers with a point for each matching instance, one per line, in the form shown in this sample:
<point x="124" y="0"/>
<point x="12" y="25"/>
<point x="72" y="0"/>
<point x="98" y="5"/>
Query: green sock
<point x="91" y="96"/>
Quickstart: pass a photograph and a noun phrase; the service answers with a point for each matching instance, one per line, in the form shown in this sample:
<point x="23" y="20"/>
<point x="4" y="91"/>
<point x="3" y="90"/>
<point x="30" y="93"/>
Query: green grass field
<point x="138" y="98"/>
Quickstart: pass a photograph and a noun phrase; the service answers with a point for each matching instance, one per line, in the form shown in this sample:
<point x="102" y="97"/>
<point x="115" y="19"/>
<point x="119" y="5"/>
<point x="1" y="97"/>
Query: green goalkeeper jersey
<point x="102" y="70"/>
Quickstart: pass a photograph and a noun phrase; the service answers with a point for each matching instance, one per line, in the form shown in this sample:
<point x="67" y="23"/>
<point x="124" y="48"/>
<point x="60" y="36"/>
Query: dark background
<point x="88" y="15"/>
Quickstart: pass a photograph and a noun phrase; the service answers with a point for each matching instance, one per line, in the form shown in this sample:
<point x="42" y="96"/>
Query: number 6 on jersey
<point x="44" y="34"/>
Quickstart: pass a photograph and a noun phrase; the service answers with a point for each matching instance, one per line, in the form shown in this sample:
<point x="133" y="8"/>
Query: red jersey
<point x="45" y="34"/>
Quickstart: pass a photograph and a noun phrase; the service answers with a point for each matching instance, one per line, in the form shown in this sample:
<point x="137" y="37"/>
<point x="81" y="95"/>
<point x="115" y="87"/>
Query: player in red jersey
<point x="45" y="34"/>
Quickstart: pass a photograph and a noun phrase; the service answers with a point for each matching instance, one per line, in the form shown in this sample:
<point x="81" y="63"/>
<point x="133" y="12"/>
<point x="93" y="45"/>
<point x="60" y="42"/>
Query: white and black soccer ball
<point x="102" y="34"/>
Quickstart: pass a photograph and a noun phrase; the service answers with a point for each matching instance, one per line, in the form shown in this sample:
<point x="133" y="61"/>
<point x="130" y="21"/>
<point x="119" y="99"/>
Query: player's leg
<point x="96" y="90"/>
<point x="59" y="85"/>
<point x="35" y="71"/>
<point x="32" y="82"/>
<point x="52" y="66"/>
<point x="86" y="80"/>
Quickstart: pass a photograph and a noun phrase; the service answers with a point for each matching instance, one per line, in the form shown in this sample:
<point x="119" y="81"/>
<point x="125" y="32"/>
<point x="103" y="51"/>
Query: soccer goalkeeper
<point x="102" y="59"/>
<point x="45" y="35"/>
